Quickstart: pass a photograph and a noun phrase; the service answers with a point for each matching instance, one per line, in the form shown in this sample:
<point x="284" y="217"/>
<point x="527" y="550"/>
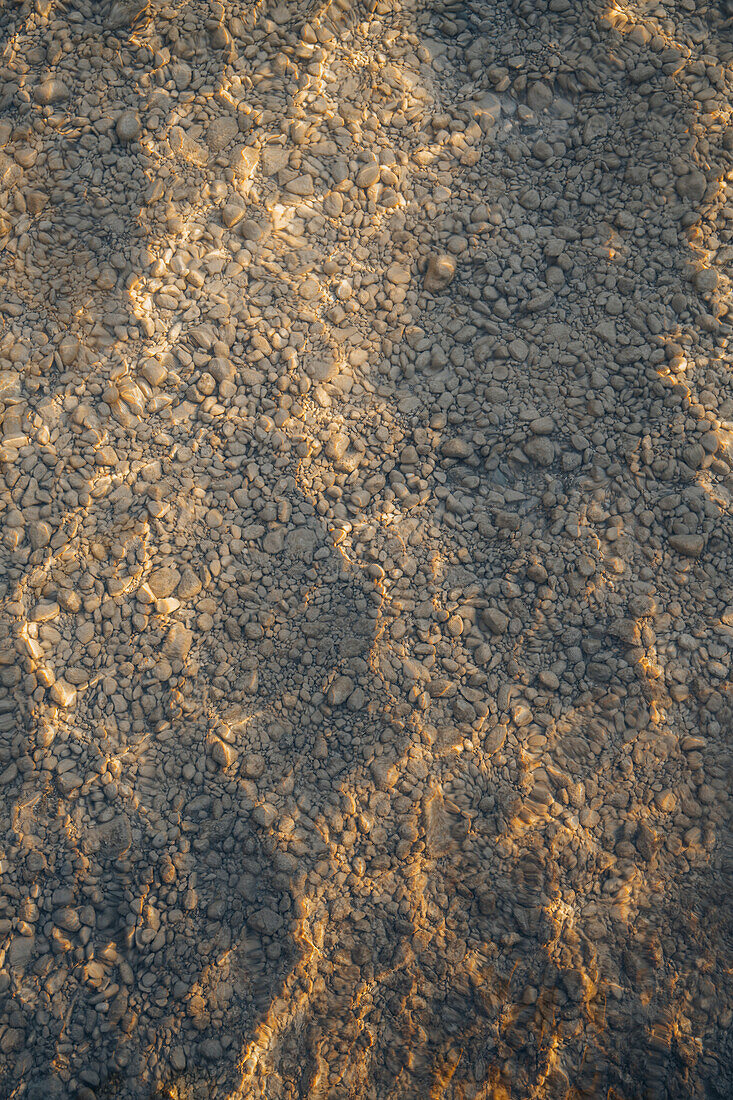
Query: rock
<point x="539" y="96"/>
<point x="333" y="204"/>
<point x="530" y="199"/>
<point x="692" y="186"/>
<point x="398" y="274"/>
<point x="189" y="585"/>
<point x="665" y="801"/>
<point x="63" y="694"/>
<point x="221" y="132"/>
<point x="68" y="349"/>
<point x="384" y="774"/>
<point x="266" y="920"/>
<point x="706" y="280"/>
<point x="222" y="753"/>
<point x="68" y="919"/>
<point x="496" y="620"/>
<point x="645" y="841"/>
<point x="457" y="448"/>
<point x="37" y="201"/>
<point x="251" y="230"/>
<point x="521" y="715"/>
<point x="128" y="127"/>
<point x="627" y="630"/>
<point x="162" y="582"/>
<point x="439" y="841"/>
<point x="39" y="534"/>
<point x="123" y="13"/>
<point x="440" y="272"/>
<point x="106" y="456"/>
<point x="12" y="1039"/>
<point x="691" y="546"/>
<point x="154" y="372"/>
<point x="301" y="185"/>
<point x="181" y="74"/>
<point x="50" y="1088"/>
<point x="254" y="765"/>
<point x="52" y="90"/>
<point x="244" y="161"/>
<point x="178" y="642"/>
<point x="367" y="175"/>
<point x="178" y="1058"/>
<point x="540" y="450"/>
<point x="494" y="740"/>
<point x="190" y="151"/>
<point x="232" y="214"/>
<point x="596" y="127"/>
<point x="340" y="690"/>
<point x="221" y="369"/>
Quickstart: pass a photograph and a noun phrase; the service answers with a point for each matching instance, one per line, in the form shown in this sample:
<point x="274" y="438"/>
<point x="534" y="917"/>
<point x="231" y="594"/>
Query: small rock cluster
<point x="365" y="555"/>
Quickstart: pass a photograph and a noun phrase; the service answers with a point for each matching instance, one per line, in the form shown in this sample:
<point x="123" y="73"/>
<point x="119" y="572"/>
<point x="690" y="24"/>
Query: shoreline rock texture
<point x="366" y="566"/>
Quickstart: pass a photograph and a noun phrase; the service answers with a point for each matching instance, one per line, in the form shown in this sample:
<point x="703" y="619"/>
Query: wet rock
<point x="340" y="690"/>
<point x="385" y="775"/>
<point x="496" y="620"/>
<point x="162" y="582"/>
<point x="128" y="127"/>
<point x="52" y="90"/>
<point x="439" y="273"/>
<point x="178" y="642"/>
<point x="691" y="546"/>
<point x="540" y="450"/>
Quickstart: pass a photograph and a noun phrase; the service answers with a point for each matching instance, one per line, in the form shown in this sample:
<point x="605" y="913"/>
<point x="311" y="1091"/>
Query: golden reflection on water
<point x="441" y="1061"/>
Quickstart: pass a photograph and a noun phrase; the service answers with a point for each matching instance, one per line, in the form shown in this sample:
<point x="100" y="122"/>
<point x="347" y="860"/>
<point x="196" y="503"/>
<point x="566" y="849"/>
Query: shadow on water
<point x="444" y="945"/>
<point x="127" y="834"/>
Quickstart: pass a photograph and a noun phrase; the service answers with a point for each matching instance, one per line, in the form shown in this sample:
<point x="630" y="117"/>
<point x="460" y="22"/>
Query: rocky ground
<point x="367" y="577"/>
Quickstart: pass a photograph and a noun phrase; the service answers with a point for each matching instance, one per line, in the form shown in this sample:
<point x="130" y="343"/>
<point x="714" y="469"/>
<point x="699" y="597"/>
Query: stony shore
<point x="366" y="413"/>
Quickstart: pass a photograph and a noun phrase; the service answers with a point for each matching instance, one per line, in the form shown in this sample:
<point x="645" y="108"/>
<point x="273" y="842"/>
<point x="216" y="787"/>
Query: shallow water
<point x="366" y="562"/>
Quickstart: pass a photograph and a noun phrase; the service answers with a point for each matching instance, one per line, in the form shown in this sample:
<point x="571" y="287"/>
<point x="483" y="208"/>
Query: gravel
<point x="365" y="563"/>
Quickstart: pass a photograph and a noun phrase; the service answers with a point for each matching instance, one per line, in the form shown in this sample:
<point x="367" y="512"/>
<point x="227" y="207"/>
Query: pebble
<point x="691" y="546"/>
<point x="178" y="642"/>
<point x="163" y="582"/>
<point x="365" y="482"/>
<point x="63" y="694"/>
<point x="51" y="90"/>
<point x="496" y="620"/>
<point x="128" y="127"/>
<point x="540" y="450"/>
<point x="440" y="272"/>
